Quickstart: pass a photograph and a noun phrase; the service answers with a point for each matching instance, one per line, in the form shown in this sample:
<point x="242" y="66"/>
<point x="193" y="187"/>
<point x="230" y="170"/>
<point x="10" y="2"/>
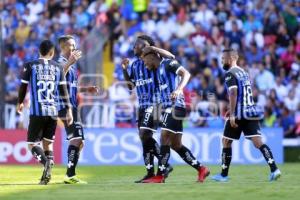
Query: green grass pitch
<point x="116" y="182"/>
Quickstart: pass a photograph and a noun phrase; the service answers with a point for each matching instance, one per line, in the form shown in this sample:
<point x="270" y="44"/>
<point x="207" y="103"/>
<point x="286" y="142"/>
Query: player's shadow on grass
<point x="12" y="184"/>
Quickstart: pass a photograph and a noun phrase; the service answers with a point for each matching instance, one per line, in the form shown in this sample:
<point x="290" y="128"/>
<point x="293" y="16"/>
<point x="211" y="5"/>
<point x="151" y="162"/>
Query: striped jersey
<point x="168" y="81"/>
<point x="71" y="78"/>
<point x="237" y="77"/>
<point x="44" y="77"/>
<point x="144" y="83"/>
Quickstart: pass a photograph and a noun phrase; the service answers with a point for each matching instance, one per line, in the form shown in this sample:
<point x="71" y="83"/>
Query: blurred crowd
<point x="266" y="34"/>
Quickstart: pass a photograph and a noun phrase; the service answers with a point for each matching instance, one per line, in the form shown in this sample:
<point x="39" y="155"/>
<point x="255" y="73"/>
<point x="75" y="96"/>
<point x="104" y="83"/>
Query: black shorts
<point x="250" y="128"/>
<point x="75" y="130"/>
<point x="172" y="119"/>
<point x="148" y="118"/>
<point x="41" y="127"/>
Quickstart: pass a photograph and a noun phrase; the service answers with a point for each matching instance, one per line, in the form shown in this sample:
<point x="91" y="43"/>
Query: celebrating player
<point x="68" y="57"/>
<point x="244" y="116"/>
<point x="142" y="78"/>
<point x="170" y="79"/>
<point x="46" y="78"/>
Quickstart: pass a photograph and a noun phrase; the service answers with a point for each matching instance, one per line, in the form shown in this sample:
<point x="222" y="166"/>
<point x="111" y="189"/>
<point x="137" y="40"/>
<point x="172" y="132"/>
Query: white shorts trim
<point x="250" y="136"/>
<point x="48" y="140"/>
<point x="168" y="130"/>
<point x="229" y="138"/>
<point x="23" y="81"/>
<point x="75" y="138"/>
<point x="142" y="127"/>
<point x="36" y="143"/>
<point x="63" y="83"/>
<point x="231" y="87"/>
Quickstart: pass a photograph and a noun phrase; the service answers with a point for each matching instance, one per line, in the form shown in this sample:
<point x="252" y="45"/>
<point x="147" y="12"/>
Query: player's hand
<point x="232" y="122"/>
<point x="69" y="117"/>
<point x="20" y="107"/>
<point x="175" y="94"/>
<point x="75" y="55"/>
<point x="148" y="49"/>
<point x="125" y="63"/>
<point x="93" y="89"/>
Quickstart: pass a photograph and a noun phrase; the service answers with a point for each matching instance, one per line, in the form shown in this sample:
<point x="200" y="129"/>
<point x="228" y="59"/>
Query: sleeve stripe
<point x="231" y="87"/>
<point x="179" y="68"/>
<point x="23" y="81"/>
<point x="62" y="83"/>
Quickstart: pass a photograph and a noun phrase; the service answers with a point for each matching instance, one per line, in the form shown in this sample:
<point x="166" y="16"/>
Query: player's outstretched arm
<point x="125" y="64"/>
<point x="89" y="89"/>
<point x="185" y="77"/>
<point x="161" y="52"/>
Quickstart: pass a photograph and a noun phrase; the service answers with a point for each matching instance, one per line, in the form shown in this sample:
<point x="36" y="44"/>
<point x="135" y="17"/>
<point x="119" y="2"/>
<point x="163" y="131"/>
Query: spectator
<point x="252" y="24"/>
<point x="270" y="118"/>
<point x="35" y="7"/>
<point x="22" y="32"/>
<point x="165" y="28"/>
<point x="288" y="123"/>
<point x="204" y="16"/>
<point x="234" y="38"/>
<point x="291" y="102"/>
<point x="265" y="80"/>
<point x="148" y="25"/>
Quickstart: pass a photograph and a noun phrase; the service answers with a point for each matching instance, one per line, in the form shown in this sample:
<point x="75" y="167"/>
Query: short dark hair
<point x="65" y="38"/>
<point x="45" y="47"/>
<point x="232" y="51"/>
<point x="147" y="38"/>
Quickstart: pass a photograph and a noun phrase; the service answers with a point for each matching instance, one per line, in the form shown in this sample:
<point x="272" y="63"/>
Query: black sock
<point x="39" y="154"/>
<point x="188" y="157"/>
<point x="49" y="155"/>
<point x="155" y="148"/>
<point x="267" y="153"/>
<point x="148" y="157"/>
<point x="163" y="161"/>
<point x="226" y="159"/>
<point x="73" y="156"/>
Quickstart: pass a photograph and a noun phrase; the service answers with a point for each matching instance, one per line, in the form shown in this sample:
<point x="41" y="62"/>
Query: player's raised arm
<point x="75" y="55"/>
<point x="162" y="52"/>
<point x="23" y="87"/>
<point x="231" y="84"/>
<point x="125" y="64"/>
<point x="89" y="89"/>
<point x="178" y="69"/>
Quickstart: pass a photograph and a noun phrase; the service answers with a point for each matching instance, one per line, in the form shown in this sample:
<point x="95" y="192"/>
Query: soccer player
<point x="170" y="77"/>
<point x="244" y="116"/>
<point x="142" y="78"/>
<point x="46" y="78"/>
<point x="68" y="58"/>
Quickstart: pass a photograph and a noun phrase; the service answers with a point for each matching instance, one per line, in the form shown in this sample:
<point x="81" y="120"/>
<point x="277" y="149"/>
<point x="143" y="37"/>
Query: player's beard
<point x="226" y="66"/>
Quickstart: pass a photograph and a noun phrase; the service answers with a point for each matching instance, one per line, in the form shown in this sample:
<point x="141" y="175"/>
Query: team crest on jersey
<point x="227" y="78"/>
<point x="173" y="62"/>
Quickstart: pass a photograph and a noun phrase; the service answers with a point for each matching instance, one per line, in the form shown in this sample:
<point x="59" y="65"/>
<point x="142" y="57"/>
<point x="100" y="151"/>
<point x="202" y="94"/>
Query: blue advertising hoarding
<point x="123" y="147"/>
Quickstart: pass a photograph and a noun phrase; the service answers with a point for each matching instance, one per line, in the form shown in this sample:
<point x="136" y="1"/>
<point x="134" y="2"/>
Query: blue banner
<point x="123" y="147"/>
